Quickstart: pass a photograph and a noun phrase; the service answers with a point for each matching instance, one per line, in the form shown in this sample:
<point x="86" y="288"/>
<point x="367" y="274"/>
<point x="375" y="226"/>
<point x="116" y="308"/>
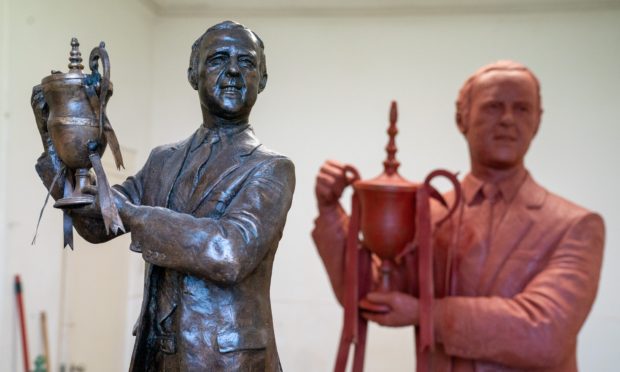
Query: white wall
<point x="36" y="36"/>
<point x="330" y="83"/>
<point x="4" y="285"/>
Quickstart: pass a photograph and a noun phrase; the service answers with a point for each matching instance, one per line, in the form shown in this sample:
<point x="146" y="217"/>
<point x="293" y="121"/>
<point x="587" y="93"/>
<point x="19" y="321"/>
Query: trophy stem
<point x="385" y="285"/>
<point x="386" y="272"/>
<point x="77" y="198"/>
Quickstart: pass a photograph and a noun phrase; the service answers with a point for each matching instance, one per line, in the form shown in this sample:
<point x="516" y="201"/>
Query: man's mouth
<point x="504" y="138"/>
<point x="231" y="88"/>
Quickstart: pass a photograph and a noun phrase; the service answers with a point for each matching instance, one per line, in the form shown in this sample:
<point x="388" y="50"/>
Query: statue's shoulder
<point x="555" y="210"/>
<point x="563" y="209"/>
<point x="257" y="150"/>
<point x="267" y="153"/>
<point x="165" y="150"/>
<point x="273" y="161"/>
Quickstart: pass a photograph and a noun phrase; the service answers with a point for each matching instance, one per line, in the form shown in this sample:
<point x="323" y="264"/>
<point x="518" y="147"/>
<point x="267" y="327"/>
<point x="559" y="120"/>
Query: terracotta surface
<point x="516" y="269"/>
<point x="393" y="217"/>
<point x="207" y="214"/>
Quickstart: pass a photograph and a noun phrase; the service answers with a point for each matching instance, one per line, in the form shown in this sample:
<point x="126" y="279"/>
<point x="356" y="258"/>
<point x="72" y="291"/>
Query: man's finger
<point x="381" y="297"/>
<point x="379" y="318"/>
<point x="89" y="189"/>
<point x="326" y="180"/>
<point x="336" y="186"/>
<point x="335" y="164"/>
<point x="333" y="172"/>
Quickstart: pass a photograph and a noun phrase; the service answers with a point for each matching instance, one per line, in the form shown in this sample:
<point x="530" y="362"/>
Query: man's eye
<point x="216" y="60"/>
<point x="492" y="106"/>
<point x="523" y="108"/>
<point x="247" y="62"/>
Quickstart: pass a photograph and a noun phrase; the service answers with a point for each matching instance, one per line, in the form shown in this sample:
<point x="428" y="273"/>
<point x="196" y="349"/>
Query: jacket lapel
<point x="175" y="159"/>
<point x="234" y="151"/>
<point x="511" y="231"/>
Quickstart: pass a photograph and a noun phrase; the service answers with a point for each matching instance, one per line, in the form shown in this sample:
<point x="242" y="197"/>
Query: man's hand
<point x="404" y="309"/>
<point x="40" y="110"/>
<point x="330" y="183"/>
<point x="92" y="209"/>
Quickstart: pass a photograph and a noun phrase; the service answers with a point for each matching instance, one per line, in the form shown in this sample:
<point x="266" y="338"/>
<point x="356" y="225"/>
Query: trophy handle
<point x="351" y="174"/>
<point x="100" y="53"/>
<point x="104" y="92"/>
<point x="436" y="195"/>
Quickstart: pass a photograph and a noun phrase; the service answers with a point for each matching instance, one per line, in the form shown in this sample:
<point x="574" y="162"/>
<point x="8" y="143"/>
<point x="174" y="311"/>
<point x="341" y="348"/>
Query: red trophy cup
<point x="393" y="216"/>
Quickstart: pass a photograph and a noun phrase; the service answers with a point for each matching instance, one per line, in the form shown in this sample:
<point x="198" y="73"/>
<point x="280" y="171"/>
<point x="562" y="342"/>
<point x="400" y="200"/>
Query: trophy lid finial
<point x="75" y="57"/>
<point x="391" y="164"/>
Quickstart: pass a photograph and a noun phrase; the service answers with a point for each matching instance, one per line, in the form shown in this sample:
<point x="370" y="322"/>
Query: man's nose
<point x="508" y="117"/>
<point x="232" y="69"/>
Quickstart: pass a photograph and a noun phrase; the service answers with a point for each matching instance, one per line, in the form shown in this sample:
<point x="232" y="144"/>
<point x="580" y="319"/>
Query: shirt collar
<point x="203" y="133"/>
<point x="472" y="186"/>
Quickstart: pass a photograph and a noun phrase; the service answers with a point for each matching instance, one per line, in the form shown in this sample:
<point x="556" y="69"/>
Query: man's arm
<point x="539" y="326"/>
<point x="329" y="235"/>
<point x="331" y="225"/>
<point x="224" y="249"/>
<point x="87" y="220"/>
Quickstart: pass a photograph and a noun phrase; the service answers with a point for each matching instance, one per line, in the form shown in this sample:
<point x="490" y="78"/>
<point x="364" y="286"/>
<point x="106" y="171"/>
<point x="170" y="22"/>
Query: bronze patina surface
<point x="70" y="113"/>
<point x="206" y="214"/>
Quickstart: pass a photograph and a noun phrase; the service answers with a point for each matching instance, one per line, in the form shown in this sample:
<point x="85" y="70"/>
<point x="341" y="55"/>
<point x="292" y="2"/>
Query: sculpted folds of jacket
<point x="206" y="299"/>
<point x="534" y="290"/>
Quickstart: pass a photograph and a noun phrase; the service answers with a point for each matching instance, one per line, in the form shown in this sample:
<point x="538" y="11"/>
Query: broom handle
<point x="46" y="345"/>
<point x="22" y="321"/>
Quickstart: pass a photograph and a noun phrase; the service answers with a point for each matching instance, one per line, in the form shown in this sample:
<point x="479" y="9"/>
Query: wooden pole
<point x="22" y="322"/>
<point x="46" y="345"/>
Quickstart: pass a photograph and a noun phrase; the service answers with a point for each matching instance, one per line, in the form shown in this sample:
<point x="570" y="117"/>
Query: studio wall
<point x="330" y="83"/>
<point x="36" y="39"/>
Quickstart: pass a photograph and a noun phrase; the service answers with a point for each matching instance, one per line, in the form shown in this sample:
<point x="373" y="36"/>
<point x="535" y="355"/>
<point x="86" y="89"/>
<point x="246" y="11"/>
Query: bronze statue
<point x="207" y="214"/>
<point x="516" y="267"/>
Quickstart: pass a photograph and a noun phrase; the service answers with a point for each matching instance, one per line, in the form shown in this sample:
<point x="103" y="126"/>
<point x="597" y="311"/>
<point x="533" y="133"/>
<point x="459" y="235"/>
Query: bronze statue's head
<point x="498" y="111"/>
<point x="228" y="69"/>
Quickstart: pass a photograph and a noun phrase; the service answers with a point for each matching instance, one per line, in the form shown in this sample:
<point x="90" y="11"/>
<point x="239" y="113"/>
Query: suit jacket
<point x="206" y="303"/>
<point x="534" y="291"/>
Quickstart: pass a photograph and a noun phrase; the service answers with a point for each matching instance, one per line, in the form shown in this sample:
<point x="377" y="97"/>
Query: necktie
<point x="491" y="195"/>
<point x="193" y="169"/>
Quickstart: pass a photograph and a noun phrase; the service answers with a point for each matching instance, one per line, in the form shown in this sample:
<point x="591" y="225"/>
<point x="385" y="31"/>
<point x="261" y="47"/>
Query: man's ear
<point x="538" y="121"/>
<point x="263" y="82"/>
<point x="192" y="78"/>
<point x="460" y="123"/>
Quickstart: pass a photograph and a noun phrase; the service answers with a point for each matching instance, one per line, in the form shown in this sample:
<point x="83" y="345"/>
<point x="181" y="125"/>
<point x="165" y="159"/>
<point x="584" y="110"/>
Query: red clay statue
<point x="515" y="268"/>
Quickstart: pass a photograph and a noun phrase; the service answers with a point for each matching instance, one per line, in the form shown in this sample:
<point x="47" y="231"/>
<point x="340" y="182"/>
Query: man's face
<point x="503" y="118"/>
<point x="229" y="73"/>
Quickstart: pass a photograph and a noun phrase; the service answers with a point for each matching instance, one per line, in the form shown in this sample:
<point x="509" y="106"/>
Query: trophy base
<point x="74" y="201"/>
<point x="373" y="307"/>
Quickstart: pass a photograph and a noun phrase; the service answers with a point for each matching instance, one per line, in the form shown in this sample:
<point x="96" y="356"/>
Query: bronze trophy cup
<point x="80" y="131"/>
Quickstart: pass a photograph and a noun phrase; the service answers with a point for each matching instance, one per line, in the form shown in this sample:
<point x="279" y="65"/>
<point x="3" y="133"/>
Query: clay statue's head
<point x="227" y="67"/>
<point x="498" y="111"/>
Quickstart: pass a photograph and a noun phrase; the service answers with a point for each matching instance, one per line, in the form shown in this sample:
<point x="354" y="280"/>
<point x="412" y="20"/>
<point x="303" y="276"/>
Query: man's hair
<point x="194" y="58"/>
<point x="463" y="102"/>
